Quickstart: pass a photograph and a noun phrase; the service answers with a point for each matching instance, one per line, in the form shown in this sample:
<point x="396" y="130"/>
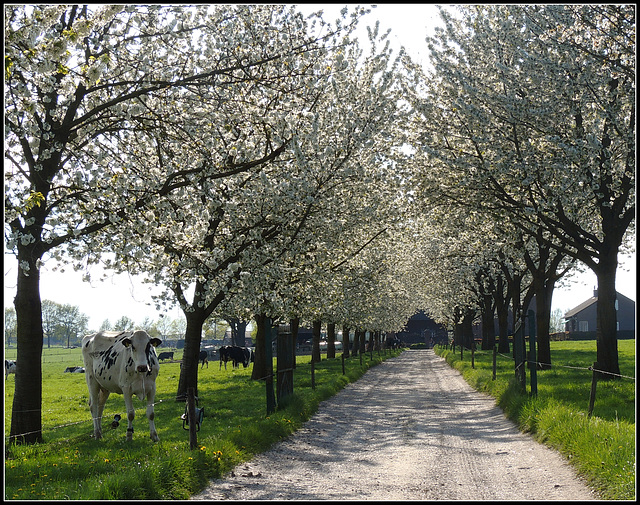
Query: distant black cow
<point x="165" y="355"/>
<point x="393" y="343"/>
<point x="236" y="355"/>
<point x="74" y="369"/>
<point x="204" y="357"/>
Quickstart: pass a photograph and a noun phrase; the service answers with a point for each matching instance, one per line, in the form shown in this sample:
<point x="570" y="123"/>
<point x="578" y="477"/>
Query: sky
<point x="125" y="295"/>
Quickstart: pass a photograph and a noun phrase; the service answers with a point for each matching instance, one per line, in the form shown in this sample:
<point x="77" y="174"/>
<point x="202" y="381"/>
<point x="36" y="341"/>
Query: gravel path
<point x="410" y="429"/>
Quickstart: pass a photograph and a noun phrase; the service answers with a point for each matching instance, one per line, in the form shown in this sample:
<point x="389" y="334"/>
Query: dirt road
<point x="410" y="429"/>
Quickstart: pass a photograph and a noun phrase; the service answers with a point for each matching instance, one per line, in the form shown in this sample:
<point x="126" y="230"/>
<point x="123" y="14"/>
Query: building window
<point x="583" y="326"/>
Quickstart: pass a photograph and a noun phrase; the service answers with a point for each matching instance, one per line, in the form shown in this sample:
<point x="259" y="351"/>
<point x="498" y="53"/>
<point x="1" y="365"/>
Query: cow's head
<point x="140" y="344"/>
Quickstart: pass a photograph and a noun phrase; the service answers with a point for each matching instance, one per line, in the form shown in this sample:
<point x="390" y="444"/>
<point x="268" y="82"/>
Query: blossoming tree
<point x="111" y="109"/>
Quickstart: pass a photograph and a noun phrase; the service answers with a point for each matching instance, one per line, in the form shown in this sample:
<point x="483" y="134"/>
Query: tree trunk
<point x="345" y="341"/>
<point x="606" y="328"/>
<point x="458" y="333"/>
<point x="544" y="273"/>
<point x="467" y="328"/>
<point x="331" y="340"/>
<point x="363" y="341"/>
<point x="238" y="331"/>
<point x="356" y="342"/>
<point x="488" y="330"/>
<point x="315" y="349"/>
<point x="295" y="325"/>
<point x="516" y="303"/>
<point x="190" y="357"/>
<point x="260" y="364"/>
<point x="26" y="416"/>
<point x="502" y="311"/>
<point x="544" y="293"/>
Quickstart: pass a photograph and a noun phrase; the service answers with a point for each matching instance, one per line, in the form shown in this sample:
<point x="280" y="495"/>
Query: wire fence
<point x="546" y="365"/>
<point x="552" y="365"/>
<point x="139" y="412"/>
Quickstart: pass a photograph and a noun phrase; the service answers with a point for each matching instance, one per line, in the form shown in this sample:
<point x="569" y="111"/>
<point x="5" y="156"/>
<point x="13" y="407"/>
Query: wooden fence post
<point x="519" y="356"/>
<point x="533" y="365"/>
<point x="495" y="354"/>
<point x="313" y="374"/>
<point x="473" y="361"/>
<point x="592" y="395"/>
<point x="191" y="412"/>
<point x="268" y="380"/>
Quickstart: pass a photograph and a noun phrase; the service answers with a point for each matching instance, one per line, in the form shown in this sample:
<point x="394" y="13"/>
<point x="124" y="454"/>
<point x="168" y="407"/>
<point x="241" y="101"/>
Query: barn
<point x="420" y="328"/>
<point x="580" y="321"/>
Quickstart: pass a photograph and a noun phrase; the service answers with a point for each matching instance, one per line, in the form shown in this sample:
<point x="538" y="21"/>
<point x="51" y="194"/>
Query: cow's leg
<point x="95" y="397"/>
<point x="151" y="394"/>
<point x="131" y="412"/>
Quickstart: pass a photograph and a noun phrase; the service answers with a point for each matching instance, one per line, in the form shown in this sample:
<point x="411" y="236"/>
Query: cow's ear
<point x="126" y="342"/>
<point x="155" y="342"/>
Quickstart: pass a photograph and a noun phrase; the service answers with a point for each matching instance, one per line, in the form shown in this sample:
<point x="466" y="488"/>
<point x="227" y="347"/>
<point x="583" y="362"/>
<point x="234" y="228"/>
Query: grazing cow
<point x="236" y="355"/>
<point x="204" y="357"/>
<point x="74" y="369"/>
<point x="393" y="343"/>
<point x="9" y="367"/>
<point x="224" y="357"/>
<point x="165" y="355"/>
<point x="124" y="363"/>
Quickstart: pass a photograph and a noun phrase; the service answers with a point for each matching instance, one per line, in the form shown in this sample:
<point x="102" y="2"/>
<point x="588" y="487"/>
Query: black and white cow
<point x="222" y="353"/>
<point x="74" y="369"/>
<point x="204" y="357"/>
<point x="9" y="367"/>
<point x="236" y="355"/>
<point x="165" y="355"/>
<point x="124" y="363"/>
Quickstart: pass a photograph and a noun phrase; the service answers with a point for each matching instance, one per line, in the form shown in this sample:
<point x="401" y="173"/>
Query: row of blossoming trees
<point x="257" y="163"/>
<point x="238" y="156"/>
<point x="526" y="123"/>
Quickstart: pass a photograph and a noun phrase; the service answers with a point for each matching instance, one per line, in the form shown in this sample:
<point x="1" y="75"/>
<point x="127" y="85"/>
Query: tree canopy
<point x="255" y="162"/>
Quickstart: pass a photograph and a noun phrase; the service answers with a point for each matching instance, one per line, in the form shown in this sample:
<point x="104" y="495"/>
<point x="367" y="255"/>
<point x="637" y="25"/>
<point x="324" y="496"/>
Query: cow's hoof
<point x="154" y="437"/>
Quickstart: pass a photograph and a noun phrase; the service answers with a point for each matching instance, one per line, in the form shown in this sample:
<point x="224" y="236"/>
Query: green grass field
<point x="602" y="447"/>
<point x="71" y="465"/>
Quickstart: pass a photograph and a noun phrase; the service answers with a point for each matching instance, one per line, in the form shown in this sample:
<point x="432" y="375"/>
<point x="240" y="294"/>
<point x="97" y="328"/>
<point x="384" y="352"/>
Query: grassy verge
<point x="601" y="447"/>
<point x="71" y="465"/>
